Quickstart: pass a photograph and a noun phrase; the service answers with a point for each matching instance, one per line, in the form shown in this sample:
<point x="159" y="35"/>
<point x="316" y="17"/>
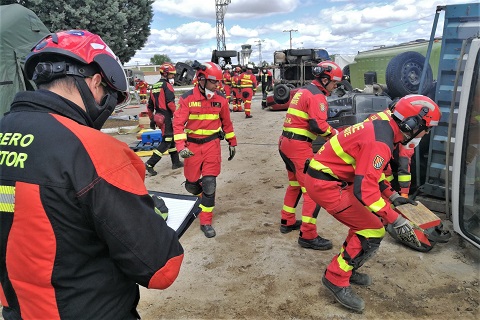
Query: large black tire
<point x="281" y="93"/>
<point x="300" y="52"/>
<point x="404" y="72"/>
<point x="226" y="54"/>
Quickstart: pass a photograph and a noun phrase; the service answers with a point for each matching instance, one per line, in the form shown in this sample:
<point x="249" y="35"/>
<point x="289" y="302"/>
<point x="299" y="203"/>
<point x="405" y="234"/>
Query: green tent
<point x="20" y="30"/>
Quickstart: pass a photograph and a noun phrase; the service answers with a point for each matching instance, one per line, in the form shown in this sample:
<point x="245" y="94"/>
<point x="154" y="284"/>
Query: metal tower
<point x="221" y="9"/>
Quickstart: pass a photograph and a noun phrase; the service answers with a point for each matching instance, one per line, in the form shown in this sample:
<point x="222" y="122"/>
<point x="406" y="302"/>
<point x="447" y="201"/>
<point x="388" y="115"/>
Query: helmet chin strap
<point x="98" y="113"/>
<point x="410" y="138"/>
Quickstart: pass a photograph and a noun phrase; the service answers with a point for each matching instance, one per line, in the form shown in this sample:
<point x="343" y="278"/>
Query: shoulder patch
<point x="378" y="162"/>
<point x="322" y="107"/>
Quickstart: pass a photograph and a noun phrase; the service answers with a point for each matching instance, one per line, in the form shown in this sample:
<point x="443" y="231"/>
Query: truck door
<point x="466" y="158"/>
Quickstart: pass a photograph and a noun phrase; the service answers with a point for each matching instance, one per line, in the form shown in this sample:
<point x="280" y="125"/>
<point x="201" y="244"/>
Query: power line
<point x="290" y="31"/>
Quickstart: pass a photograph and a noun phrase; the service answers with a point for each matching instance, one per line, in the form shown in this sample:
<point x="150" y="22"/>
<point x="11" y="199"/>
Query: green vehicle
<point x="397" y="69"/>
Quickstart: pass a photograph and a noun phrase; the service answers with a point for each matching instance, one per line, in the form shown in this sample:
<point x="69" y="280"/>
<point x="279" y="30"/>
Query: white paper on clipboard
<point x="182" y="210"/>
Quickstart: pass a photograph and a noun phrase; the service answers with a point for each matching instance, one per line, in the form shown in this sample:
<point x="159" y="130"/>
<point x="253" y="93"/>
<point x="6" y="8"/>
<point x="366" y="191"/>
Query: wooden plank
<point x="419" y="214"/>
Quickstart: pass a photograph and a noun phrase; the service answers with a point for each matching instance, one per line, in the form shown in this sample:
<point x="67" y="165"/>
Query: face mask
<point x="413" y="143"/>
<point x="171" y="81"/>
<point x="209" y="94"/>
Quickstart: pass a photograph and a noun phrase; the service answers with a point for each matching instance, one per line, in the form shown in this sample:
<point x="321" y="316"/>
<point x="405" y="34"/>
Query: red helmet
<point x="416" y="112"/>
<point x="79" y="49"/>
<point x="209" y="70"/>
<point x="167" y="68"/>
<point x="329" y="70"/>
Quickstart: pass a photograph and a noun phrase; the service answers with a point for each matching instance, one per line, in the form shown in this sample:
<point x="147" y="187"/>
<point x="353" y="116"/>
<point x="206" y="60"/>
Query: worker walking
<point x="306" y="119"/>
<point x="79" y="231"/>
<point x="267" y="82"/>
<point x="248" y="85"/>
<point x="141" y="87"/>
<point x="227" y="82"/>
<point x="200" y="123"/>
<point x="161" y="107"/>
<point x="236" y="90"/>
<point x="346" y="178"/>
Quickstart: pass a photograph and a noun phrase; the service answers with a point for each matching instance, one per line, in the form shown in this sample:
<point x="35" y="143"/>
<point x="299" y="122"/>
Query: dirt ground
<point x="252" y="271"/>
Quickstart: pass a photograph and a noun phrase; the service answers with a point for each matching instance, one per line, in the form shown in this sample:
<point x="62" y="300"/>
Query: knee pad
<point x="209" y="184"/>
<point x="369" y="247"/>
<point x="193" y="187"/>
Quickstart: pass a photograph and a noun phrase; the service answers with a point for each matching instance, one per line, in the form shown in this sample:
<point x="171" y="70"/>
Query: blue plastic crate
<point x="153" y="136"/>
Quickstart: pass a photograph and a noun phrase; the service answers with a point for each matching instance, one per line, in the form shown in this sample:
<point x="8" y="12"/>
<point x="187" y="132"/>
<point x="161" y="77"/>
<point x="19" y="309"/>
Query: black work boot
<point x="287" y="229"/>
<point x="360" y="279"/>
<point x="208" y="230"/>
<point x="317" y="243"/>
<point x="150" y="170"/>
<point x="345" y="296"/>
<point x="176" y="163"/>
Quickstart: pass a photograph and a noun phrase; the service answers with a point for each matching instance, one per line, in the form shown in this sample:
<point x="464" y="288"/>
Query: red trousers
<point x="206" y="161"/>
<point x="247" y="95"/>
<point x="365" y="233"/>
<point x="294" y="153"/>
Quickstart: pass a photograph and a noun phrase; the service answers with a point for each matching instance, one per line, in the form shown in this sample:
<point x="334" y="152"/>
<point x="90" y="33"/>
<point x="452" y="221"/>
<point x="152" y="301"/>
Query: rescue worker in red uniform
<point x="78" y="228"/>
<point x="248" y="86"/>
<point x="227" y="82"/>
<point x="200" y="122"/>
<point x="160" y="108"/>
<point x="346" y="178"/>
<point x="306" y="119"/>
<point x="236" y="90"/>
<point x="142" y="88"/>
<point x="401" y="161"/>
<point x="267" y="82"/>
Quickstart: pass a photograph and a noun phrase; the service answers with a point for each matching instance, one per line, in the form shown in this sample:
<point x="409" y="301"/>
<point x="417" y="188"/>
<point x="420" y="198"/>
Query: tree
<point x="124" y="25"/>
<point x="159" y="59"/>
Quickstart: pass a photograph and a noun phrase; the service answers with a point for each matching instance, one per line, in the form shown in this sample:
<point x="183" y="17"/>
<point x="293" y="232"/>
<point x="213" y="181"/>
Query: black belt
<point x="321" y="175"/>
<point x="203" y="140"/>
<point x="295" y="136"/>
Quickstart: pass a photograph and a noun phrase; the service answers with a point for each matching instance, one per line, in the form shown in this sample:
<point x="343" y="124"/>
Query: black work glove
<point x="160" y="206"/>
<point x="232" y="153"/>
<point x="398" y="200"/>
<point x="152" y="124"/>
<point x="405" y="232"/>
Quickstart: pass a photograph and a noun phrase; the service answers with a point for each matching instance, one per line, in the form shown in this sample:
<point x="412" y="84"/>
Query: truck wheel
<point x="300" y="52"/>
<point x="404" y="72"/>
<point x="226" y="53"/>
<point x="281" y="93"/>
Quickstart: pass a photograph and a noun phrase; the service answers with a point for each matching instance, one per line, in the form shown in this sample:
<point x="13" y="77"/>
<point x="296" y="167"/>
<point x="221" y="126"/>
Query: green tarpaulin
<point x="20" y="30"/>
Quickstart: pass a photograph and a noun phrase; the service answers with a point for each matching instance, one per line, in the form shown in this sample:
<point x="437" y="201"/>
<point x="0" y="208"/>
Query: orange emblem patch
<point x="378" y="162"/>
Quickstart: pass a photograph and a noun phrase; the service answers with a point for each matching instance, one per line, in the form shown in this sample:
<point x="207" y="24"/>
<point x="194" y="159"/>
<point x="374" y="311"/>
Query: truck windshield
<point x="469" y="213"/>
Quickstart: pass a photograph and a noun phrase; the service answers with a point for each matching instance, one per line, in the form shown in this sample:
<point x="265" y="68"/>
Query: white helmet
<point x="228" y="67"/>
<point x="249" y="66"/>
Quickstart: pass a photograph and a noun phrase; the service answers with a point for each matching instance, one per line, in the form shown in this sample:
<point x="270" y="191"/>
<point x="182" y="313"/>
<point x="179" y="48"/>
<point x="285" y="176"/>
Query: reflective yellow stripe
<point x="303" y="190"/>
<point x="343" y="264"/>
<point x="314" y="164"/>
<point x="372" y="233"/>
<point x="180" y="136"/>
<point x="389" y="178"/>
<point x="202" y="132"/>
<point x="377" y="205"/>
<point x="229" y="135"/>
<point x="298" y="113"/>
<point x="337" y="148"/>
<point x="205" y="209"/>
<point x="288" y="209"/>
<point x="294" y="183"/>
<point x="303" y="132"/>
<point x="383" y="116"/>
<point x="7" y="198"/>
<point x="311" y="220"/>
<point x="171" y="150"/>
<point x="211" y="116"/>
<point x="404" y="178"/>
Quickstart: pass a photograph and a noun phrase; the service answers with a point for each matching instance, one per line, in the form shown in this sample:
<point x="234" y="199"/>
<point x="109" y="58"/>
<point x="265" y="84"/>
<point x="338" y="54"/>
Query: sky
<point x="186" y="29"/>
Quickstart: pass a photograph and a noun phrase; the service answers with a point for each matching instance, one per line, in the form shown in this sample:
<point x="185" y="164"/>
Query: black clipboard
<point x="182" y="210"/>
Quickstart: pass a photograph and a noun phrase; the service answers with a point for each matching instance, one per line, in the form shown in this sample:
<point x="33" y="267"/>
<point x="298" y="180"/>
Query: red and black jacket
<point x="78" y="230"/>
